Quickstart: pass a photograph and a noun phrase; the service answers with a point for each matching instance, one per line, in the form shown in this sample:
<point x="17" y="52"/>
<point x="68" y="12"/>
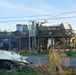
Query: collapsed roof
<point x="55" y="30"/>
<point x="9" y="60"/>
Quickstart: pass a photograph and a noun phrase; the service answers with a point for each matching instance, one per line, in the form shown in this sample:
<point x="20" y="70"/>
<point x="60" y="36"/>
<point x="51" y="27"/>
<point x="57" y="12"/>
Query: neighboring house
<point x="6" y="40"/>
<point x="12" y="45"/>
<point x="54" y="36"/>
<point x="44" y="35"/>
<point x="40" y="35"/>
<point x="22" y="39"/>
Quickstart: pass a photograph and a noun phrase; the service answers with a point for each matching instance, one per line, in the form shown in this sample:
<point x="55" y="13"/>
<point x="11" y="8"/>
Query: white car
<point x="10" y="60"/>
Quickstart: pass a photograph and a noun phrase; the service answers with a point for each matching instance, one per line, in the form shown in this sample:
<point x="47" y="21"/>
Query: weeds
<point x="54" y="65"/>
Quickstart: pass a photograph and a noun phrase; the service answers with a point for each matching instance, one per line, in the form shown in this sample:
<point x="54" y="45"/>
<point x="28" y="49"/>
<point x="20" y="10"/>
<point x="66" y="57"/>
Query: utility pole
<point x="9" y="43"/>
<point x="29" y="38"/>
<point x="9" y="35"/>
<point x="32" y="29"/>
<point x="19" y="43"/>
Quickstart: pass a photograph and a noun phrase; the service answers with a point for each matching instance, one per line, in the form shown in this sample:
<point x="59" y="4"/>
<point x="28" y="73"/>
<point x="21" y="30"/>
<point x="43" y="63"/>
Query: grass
<point x="70" y="54"/>
<point x="27" y="54"/>
<point x="45" y="53"/>
<point x="24" y="71"/>
<point x="30" y="71"/>
<point x="67" y="53"/>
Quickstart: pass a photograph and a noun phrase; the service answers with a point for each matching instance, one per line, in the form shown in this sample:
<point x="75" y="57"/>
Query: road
<point x="40" y="60"/>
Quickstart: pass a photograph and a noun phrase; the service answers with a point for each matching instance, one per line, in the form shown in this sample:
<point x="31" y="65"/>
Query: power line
<point x="28" y="16"/>
<point x="65" y="13"/>
<point x="39" y="19"/>
<point x="41" y="15"/>
<point x="58" y="18"/>
<point x="14" y="21"/>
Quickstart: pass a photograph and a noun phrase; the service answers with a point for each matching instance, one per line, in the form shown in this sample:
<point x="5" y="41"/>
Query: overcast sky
<point x="17" y="8"/>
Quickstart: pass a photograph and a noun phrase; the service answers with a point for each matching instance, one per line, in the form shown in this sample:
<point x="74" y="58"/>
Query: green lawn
<point x="45" y="53"/>
<point x="70" y="54"/>
<point x="27" y="54"/>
